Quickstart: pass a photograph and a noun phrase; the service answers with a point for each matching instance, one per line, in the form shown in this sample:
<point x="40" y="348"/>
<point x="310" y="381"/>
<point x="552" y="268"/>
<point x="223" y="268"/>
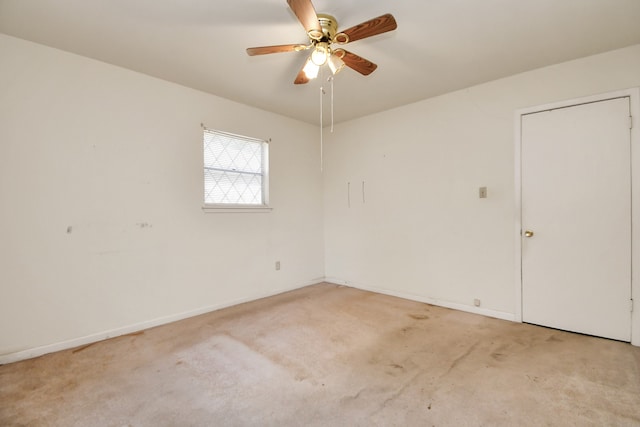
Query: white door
<point x="576" y="203"/>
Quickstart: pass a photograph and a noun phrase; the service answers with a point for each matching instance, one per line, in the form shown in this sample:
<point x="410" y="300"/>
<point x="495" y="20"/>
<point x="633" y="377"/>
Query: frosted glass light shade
<point x="310" y="69"/>
<point x="335" y="64"/>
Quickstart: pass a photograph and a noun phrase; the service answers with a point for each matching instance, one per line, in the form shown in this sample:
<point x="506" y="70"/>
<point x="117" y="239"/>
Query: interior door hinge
<point x="630" y="122"/>
<point x="631" y="300"/>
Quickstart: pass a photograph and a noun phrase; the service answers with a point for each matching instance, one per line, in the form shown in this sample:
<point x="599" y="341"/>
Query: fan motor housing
<point x="329" y="26"/>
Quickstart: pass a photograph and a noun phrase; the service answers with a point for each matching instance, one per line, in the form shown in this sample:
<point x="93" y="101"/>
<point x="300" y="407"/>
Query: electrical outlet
<point x="476" y="302"/>
<point x="277" y="265"/>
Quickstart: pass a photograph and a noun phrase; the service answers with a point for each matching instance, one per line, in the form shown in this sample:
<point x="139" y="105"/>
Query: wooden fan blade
<point x="263" y="50"/>
<point x="358" y="63"/>
<point x="301" y="78"/>
<point x="372" y="27"/>
<point x="306" y="14"/>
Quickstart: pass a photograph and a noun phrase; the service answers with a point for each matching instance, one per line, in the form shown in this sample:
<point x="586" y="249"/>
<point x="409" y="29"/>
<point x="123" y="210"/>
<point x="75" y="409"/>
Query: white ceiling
<point x="439" y="46"/>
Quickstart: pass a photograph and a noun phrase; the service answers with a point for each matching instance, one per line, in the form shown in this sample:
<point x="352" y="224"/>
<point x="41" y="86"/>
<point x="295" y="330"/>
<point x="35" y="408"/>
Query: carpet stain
<point x="463" y="356"/>
<point x="554" y="338"/>
<point x="419" y="316"/>
<point x="84" y="347"/>
<point x="498" y="356"/>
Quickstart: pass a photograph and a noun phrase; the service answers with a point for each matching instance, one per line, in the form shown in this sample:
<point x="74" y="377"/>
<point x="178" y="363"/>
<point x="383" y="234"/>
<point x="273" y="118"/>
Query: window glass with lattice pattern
<point x="235" y="170"/>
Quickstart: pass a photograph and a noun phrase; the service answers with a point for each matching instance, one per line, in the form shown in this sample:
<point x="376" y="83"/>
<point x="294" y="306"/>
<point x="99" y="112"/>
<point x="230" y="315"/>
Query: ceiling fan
<point x="322" y="30"/>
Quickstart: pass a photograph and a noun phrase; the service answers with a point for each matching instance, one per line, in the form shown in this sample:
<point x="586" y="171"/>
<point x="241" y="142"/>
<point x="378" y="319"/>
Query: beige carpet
<point x="330" y="356"/>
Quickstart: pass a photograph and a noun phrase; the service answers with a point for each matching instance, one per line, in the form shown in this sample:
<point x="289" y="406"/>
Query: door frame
<point x="634" y="97"/>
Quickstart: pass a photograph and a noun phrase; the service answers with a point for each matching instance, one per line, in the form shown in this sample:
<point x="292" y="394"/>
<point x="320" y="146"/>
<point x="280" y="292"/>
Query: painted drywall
<point x="421" y="230"/>
<point x="102" y="231"/>
<point x="101" y="226"/>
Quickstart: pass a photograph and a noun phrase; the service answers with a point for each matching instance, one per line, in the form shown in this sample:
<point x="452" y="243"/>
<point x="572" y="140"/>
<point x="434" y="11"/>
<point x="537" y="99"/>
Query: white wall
<point x="117" y="156"/>
<point x="422" y="232"/>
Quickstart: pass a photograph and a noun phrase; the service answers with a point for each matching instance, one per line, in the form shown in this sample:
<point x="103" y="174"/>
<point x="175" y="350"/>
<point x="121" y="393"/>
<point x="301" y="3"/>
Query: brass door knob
<point x="528" y="233"/>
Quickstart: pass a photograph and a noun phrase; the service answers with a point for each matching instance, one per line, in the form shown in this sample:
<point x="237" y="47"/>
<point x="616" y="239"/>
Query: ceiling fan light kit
<point x="322" y="30"/>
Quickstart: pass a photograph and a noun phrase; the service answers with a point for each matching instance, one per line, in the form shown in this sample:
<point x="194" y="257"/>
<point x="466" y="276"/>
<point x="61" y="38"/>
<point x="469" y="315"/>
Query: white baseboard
<point x="413" y="297"/>
<point x="100" y="336"/>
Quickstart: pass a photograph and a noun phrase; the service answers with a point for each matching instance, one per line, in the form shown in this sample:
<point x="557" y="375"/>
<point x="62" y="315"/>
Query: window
<point x="235" y="170"/>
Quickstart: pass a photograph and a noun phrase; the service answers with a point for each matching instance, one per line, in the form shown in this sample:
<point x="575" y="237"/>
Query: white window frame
<point x="239" y="208"/>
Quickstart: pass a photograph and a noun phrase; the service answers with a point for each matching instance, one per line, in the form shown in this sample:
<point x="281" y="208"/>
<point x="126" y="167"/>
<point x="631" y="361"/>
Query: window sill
<point x="235" y="209"/>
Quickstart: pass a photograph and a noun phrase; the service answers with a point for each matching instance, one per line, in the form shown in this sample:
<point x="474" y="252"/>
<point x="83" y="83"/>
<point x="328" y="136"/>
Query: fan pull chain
<point x="331" y="79"/>
<point x="321" y="136"/>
